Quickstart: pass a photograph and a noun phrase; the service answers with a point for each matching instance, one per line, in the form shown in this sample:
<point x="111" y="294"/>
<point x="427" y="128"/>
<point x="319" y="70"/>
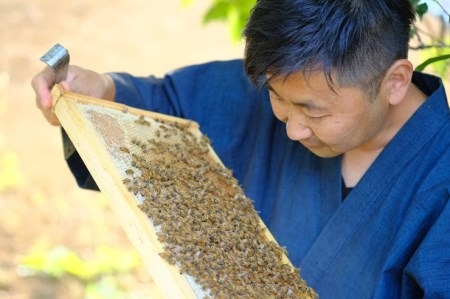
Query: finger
<point x="42" y="84"/>
<point x="51" y="118"/>
<point x="66" y="85"/>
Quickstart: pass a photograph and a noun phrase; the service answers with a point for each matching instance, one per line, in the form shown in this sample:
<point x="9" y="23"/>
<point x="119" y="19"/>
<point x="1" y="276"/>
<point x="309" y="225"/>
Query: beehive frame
<point x="70" y="110"/>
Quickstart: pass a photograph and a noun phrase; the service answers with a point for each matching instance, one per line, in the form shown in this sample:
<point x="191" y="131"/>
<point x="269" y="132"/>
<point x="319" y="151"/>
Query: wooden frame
<point x="140" y="231"/>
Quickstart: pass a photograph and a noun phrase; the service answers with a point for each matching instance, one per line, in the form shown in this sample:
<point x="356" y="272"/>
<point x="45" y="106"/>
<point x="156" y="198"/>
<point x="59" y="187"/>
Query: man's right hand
<point x="78" y="80"/>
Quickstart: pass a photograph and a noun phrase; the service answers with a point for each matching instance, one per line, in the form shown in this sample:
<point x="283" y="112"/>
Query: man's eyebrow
<point x="307" y="104"/>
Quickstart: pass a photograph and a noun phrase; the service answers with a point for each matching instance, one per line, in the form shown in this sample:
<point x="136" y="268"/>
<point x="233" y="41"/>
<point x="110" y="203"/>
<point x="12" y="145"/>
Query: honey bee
<point x="124" y="149"/>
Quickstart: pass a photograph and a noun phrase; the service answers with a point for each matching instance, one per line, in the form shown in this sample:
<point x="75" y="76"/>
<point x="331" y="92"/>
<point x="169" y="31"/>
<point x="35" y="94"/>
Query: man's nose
<point x="296" y="130"/>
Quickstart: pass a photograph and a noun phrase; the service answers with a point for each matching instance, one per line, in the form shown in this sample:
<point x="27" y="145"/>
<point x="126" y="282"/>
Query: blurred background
<point x="57" y="241"/>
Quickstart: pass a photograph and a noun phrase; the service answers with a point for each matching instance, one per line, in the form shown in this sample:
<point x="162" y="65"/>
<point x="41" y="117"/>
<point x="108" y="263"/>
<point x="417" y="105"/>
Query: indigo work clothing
<point x="389" y="238"/>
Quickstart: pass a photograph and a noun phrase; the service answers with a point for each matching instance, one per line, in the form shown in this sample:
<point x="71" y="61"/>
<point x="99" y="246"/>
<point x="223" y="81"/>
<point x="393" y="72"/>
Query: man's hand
<point x="78" y="80"/>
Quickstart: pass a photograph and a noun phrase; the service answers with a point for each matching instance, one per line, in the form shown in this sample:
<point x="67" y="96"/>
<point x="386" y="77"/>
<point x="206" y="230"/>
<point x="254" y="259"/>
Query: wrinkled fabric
<point x="390" y="238"/>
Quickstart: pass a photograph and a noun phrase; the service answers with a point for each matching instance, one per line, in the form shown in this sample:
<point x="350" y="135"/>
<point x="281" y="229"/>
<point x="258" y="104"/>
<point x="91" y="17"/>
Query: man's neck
<point x="357" y="161"/>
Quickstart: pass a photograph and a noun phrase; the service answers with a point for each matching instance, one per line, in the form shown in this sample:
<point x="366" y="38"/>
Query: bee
<point x="133" y="189"/>
<point x="165" y="256"/>
<point x="140" y="120"/>
<point x="204" y="140"/>
<point x="124" y="149"/>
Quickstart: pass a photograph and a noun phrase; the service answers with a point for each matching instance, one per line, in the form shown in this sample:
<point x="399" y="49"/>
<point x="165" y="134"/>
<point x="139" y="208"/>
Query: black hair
<point x="353" y="42"/>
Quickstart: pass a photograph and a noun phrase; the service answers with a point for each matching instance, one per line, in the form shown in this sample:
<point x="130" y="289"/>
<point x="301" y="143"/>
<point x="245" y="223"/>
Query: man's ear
<point x="397" y="80"/>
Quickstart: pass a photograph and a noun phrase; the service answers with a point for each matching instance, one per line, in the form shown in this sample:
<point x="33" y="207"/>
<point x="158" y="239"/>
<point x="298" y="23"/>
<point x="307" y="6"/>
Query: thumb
<point x="65" y="85"/>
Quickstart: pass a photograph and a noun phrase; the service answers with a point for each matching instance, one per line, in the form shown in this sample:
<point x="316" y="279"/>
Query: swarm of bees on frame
<point x="208" y="227"/>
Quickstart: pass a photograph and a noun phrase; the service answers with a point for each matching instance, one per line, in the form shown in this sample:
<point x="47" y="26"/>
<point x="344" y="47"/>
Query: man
<point x="358" y="189"/>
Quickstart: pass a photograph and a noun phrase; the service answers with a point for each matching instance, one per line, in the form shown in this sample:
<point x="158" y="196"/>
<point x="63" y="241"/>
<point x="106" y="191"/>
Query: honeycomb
<point x="207" y="226"/>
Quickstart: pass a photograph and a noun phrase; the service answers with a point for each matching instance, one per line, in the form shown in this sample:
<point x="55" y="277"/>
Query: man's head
<point x="352" y="41"/>
<point x="334" y="69"/>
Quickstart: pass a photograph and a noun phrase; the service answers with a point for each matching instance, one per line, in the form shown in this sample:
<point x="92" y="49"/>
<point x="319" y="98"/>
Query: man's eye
<point x="315" y="117"/>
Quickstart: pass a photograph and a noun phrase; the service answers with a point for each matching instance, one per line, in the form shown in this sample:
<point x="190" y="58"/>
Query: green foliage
<point x="420" y="7"/>
<point x="438" y="58"/>
<point x="234" y="12"/>
<point x="437" y="54"/>
<point x="96" y="274"/>
<point x="439" y="68"/>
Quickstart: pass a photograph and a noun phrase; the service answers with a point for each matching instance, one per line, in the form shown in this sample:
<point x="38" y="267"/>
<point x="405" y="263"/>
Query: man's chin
<point x="323" y="151"/>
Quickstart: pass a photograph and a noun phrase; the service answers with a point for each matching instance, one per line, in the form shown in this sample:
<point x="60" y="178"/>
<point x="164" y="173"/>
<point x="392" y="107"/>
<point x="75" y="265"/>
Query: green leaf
<point x="217" y="12"/>
<point x="34" y="261"/>
<point x="60" y="261"/>
<point x="234" y="24"/>
<point x="421" y="9"/>
<point x="429" y="61"/>
<point x="56" y="263"/>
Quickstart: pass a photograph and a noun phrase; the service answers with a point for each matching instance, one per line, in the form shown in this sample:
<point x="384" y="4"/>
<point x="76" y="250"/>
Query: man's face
<point x="327" y="122"/>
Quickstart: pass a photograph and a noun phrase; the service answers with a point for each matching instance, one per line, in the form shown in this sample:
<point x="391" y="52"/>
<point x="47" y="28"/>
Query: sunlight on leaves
<point x="60" y="261"/>
<point x="97" y="274"/>
<point x="55" y="263"/>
